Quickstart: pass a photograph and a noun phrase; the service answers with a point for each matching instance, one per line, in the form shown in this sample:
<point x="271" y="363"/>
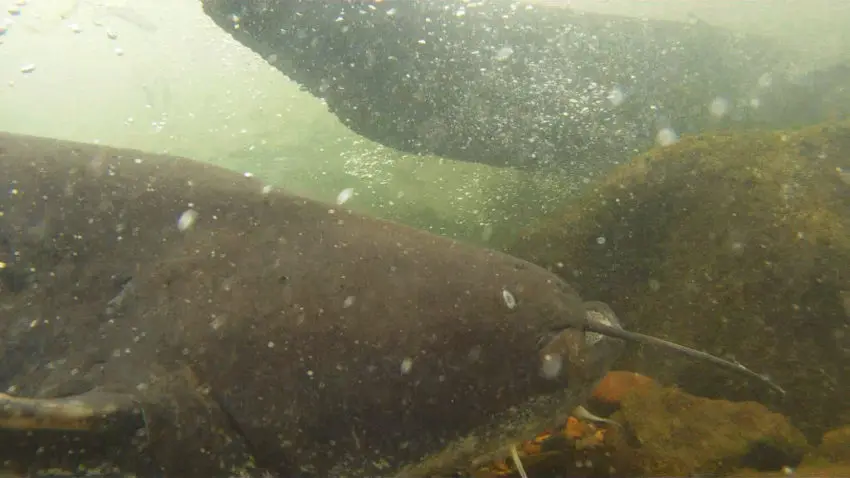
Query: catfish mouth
<point x="578" y="356"/>
<point x="596" y="312"/>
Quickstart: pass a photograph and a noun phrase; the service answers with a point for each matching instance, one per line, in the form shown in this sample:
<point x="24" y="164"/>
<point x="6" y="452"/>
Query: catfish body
<point x="231" y="329"/>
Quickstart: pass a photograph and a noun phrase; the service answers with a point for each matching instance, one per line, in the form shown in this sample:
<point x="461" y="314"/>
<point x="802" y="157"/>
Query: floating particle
<point x="406" y="365"/>
<point x="16" y="10"/>
<point x="187" y="219"/>
<point x="666" y="137"/>
<point x="28" y="68"/>
<point x="3" y="29"/>
<point x="119" y="51"/>
<point x="217" y="323"/>
<point x="267" y="189"/>
<point x="248" y="174"/>
<point x="509" y="299"/>
<point x="843" y="174"/>
<point x="616" y="96"/>
<point x="601" y="240"/>
<point x="75" y="28"/>
<point x="344" y="196"/>
<point x="348" y="302"/>
<point x="504" y="53"/>
<point x="719" y="107"/>
<point x="111" y="35"/>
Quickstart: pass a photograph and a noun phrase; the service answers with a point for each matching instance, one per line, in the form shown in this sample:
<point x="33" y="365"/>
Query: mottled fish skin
<point x="590" y="356"/>
<point x="266" y="332"/>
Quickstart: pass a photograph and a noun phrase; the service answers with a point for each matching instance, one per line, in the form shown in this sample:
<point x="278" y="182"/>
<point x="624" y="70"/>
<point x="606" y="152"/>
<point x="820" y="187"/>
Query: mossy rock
<point x="672" y="433"/>
<point x="835" y="445"/>
<point x="737" y="243"/>
<point x="805" y="471"/>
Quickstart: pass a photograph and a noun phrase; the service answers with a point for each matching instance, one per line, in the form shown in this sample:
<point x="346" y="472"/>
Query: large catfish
<point x="161" y="316"/>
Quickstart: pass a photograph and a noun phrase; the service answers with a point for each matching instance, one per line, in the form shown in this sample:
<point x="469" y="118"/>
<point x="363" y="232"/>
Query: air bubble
<point x="666" y="137"/>
<point x="509" y="299"/>
<point x="616" y="96"/>
<point x="187" y="219"/>
<point x="504" y="53"/>
<point x="406" y="365"/>
<point x="719" y="107"/>
<point x="344" y="196"/>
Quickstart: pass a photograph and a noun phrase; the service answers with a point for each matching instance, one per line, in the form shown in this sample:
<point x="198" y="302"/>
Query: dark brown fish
<point x="206" y="326"/>
<point x="160" y="316"/>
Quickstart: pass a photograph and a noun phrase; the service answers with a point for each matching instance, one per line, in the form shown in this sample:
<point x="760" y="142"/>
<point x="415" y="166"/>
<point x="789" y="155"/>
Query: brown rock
<point x="668" y="432"/>
<point x="823" y="471"/>
<point x="737" y="243"/>
<point x="835" y="445"/>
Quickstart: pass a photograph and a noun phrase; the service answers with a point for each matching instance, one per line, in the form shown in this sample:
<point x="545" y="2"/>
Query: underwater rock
<point x="736" y="242"/>
<point x="662" y="432"/>
<point x="805" y="471"/>
<point x="616" y="384"/>
<point x="512" y="84"/>
<point x="672" y="433"/>
<point x="835" y="445"/>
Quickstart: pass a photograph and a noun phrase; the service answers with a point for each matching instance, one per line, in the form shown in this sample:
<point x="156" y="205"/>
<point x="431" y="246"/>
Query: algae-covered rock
<point x="737" y="243"/>
<point x="664" y="432"/>
<point x="819" y="471"/>
<point x="835" y="445"/>
<point x="671" y="433"/>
